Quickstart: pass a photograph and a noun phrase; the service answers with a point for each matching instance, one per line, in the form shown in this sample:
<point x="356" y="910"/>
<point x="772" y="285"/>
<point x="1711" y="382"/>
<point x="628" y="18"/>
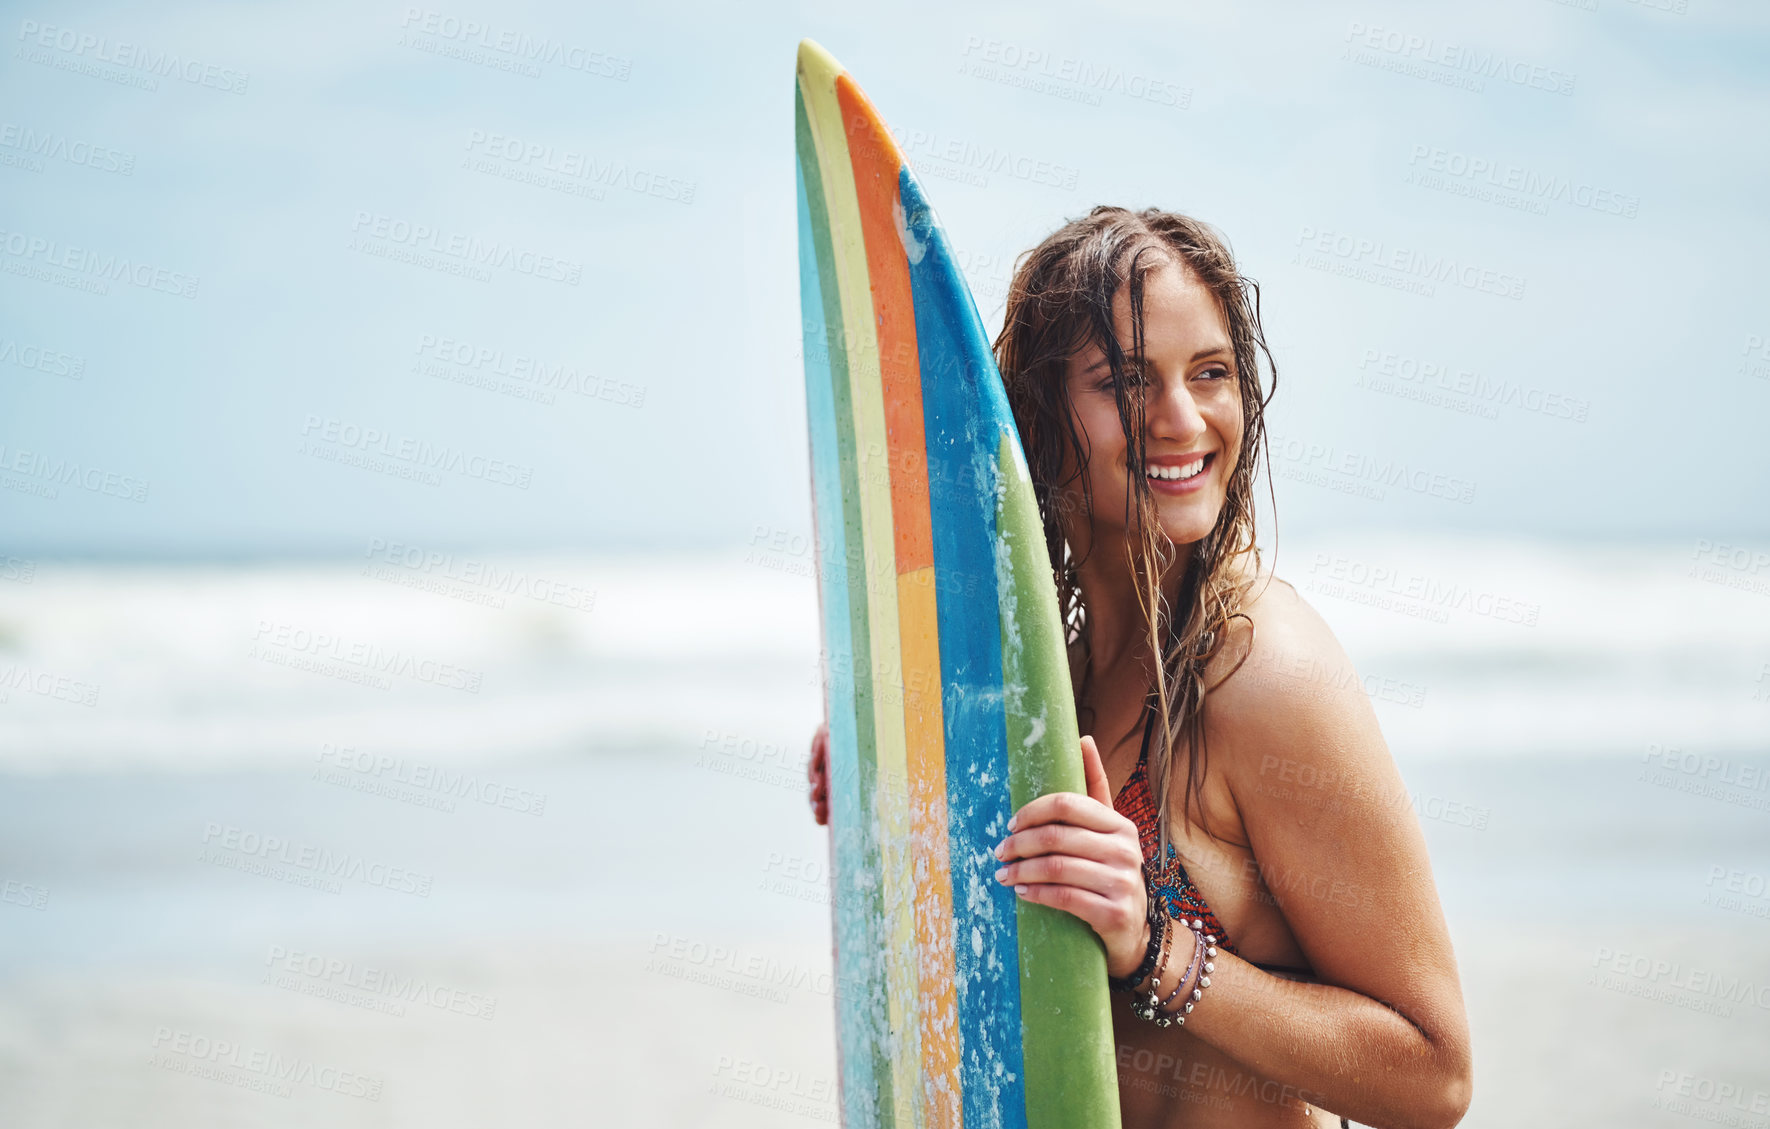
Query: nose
<point x="1171" y="414"/>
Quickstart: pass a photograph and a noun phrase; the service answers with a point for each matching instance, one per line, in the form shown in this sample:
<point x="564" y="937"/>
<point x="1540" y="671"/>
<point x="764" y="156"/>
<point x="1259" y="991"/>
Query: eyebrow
<point x="1196" y="357"/>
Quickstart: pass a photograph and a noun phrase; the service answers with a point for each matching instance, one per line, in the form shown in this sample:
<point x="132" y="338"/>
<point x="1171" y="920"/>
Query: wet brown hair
<point x="1059" y="301"/>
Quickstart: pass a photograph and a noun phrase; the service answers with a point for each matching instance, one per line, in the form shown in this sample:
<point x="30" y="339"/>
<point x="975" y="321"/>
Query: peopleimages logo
<point x="322" y="976"/>
<point x="982" y="160"/>
<point x="284" y="640"/>
<point x="1065" y="76"/>
<point x="372" y="230"/>
<point x="78" y="47"/>
<point x="231" y="847"/>
<point x="52" y="362"/>
<point x="97" y="265"/>
<point x="44" y="475"/>
<point x="518" y="50"/>
<point x="1318" y="245"/>
<point x="434" y="570"/>
<point x="382" y="772"/>
<point x="605" y="172"/>
<point x="54" y="146"/>
<point x="487" y="364"/>
<point x="254" y="1068"/>
<point x="372" y="441"/>
<point x="1528" y="183"/>
<point x="1454" y="58"/>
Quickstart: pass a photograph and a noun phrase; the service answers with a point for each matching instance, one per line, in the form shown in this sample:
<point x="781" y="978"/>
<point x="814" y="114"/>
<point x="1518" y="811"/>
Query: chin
<point x="1192" y="520"/>
<point x="1187" y="535"/>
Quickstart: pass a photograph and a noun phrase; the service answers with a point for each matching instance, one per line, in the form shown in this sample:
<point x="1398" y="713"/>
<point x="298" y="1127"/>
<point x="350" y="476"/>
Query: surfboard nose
<point x="816" y="63"/>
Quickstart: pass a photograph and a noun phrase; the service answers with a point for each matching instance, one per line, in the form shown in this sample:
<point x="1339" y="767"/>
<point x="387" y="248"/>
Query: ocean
<point x="465" y="840"/>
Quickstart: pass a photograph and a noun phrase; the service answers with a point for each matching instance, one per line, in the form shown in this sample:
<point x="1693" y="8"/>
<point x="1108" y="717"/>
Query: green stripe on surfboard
<point x="1071" y="1074"/>
<point x="871" y="985"/>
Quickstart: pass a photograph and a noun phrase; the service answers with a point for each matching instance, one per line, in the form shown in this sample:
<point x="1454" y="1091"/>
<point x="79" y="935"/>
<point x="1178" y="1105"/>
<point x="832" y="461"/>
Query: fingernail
<point x="1013" y="820"/>
<point x="1020" y="890"/>
<point x="1001" y="847"/>
<point x="1000" y="873"/>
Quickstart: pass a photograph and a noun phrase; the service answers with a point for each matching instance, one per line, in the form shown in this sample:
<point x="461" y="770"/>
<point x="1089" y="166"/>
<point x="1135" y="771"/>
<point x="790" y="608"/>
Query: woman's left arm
<point x="1384" y="1038"/>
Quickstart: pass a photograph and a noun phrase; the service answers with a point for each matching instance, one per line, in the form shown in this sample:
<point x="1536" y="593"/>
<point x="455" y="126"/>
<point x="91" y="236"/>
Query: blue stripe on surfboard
<point x="962" y="438"/>
<point x="854" y="944"/>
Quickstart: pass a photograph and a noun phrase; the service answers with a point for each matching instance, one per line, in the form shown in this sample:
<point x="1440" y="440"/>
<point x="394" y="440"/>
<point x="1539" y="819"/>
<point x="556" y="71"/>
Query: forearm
<point x="1353" y="1055"/>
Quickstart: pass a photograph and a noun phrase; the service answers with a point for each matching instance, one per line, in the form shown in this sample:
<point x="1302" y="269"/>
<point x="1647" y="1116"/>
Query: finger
<point x="1085" y="904"/>
<point x="1095" y="773"/>
<point x="1113" y="848"/>
<point x="1067" y="807"/>
<point x="1110" y="882"/>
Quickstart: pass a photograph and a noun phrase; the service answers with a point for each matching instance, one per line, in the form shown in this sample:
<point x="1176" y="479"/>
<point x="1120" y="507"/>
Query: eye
<point x="1215" y="372"/>
<point x="1133" y="376"/>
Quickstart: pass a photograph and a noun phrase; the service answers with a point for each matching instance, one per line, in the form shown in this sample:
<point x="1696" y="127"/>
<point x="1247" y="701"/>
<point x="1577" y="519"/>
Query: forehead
<point x="1182" y="320"/>
<point x="1179" y="311"/>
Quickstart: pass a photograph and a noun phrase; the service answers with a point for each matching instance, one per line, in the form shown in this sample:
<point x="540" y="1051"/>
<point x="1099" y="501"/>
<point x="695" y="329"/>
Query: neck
<point x="1118" y="634"/>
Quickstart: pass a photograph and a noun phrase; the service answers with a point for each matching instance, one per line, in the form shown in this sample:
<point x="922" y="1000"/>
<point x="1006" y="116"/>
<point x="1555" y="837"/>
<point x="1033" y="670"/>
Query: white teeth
<point x="1175" y="472"/>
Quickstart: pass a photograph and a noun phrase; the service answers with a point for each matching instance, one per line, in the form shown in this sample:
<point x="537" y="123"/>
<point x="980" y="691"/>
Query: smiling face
<point x="1192" y="411"/>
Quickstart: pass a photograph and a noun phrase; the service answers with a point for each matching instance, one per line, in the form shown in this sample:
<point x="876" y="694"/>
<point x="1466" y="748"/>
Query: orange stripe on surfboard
<point x="876" y="162"/>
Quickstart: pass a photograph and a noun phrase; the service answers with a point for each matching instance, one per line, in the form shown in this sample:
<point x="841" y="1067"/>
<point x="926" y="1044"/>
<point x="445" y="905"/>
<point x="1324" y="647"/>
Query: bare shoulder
<point x="1280" y="656"/>
<point x="1284" y="700"/>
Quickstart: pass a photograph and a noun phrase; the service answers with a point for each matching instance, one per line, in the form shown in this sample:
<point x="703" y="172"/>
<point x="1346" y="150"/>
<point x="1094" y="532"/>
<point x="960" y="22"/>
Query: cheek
<point x="1104" y="433"/>
<point x="1226" y="418"/>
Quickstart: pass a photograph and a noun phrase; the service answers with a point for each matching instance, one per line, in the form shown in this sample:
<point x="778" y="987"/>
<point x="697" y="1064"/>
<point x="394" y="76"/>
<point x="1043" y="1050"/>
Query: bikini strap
<point x="1148" y="716"/>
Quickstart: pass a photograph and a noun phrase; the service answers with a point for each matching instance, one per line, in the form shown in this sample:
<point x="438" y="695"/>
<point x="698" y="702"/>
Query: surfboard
<point x="946" y="685"/>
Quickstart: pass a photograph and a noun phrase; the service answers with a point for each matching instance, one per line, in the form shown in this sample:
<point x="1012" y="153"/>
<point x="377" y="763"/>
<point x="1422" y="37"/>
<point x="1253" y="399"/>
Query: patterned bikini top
<point x="1170" y="881"/>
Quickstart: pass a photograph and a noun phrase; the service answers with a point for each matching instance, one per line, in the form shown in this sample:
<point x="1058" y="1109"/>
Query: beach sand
<point x="598" y="964"/>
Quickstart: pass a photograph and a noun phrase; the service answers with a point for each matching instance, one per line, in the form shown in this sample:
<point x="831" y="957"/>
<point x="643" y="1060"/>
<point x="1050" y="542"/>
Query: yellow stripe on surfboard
<point x="817" y="77"/>
<point x="925" y="724"/>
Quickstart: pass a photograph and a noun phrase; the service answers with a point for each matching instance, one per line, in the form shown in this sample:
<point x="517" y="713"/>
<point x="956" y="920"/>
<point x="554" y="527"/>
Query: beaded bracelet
<point x="1163" y="1016"/>
<point x="1145" y="1007"/>
<point x="1159" y="925"/>
<point x="1198" y="952"/>
<point x="1204" y="977"/>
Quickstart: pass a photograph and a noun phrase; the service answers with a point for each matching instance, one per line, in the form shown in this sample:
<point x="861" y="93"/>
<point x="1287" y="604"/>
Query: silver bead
<point x="1198" y="923"/>
<point x="1209" y="968"/>
<point x="1181" y="1021"/>
<point x="1210" y="940"/>
<point x="1188" y="1007"/>
<point x="1198" y="994"/>
<point x="1211" y="951"/>
<point x="1204" y="982"/>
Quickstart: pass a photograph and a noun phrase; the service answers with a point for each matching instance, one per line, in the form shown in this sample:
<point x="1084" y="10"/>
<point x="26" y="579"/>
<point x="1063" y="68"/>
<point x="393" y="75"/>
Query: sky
<point x="256" y="262"/>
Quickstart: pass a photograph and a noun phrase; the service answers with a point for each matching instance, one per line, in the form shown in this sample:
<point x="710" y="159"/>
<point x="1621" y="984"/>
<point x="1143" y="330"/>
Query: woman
<point x="1275" y="911"/>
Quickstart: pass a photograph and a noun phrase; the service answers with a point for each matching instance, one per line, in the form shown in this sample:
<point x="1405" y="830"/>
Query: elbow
<point x="1456" y="1089"/>
<point x="1439" y="1100"/>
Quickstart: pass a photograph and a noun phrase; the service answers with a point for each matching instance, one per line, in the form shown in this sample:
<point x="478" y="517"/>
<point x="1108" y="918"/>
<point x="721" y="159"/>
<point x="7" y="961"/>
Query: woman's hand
<point x="818" y="770"/>
<point x="1079" y="854"/>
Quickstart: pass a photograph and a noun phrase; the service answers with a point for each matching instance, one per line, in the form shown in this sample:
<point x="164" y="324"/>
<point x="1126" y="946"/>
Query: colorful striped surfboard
<point x="946" y="684"/>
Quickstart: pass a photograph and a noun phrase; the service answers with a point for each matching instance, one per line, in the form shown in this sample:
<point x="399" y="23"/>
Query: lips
<point x="1196" y="468"/>
<point x="1178" y="468"/>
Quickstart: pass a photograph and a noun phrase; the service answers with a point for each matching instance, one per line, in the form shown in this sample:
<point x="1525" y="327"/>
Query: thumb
<point x="1095" y="772"/>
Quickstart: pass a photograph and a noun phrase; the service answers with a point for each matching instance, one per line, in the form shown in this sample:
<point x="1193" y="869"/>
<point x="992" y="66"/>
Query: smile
<point x="1179" y="477"/>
